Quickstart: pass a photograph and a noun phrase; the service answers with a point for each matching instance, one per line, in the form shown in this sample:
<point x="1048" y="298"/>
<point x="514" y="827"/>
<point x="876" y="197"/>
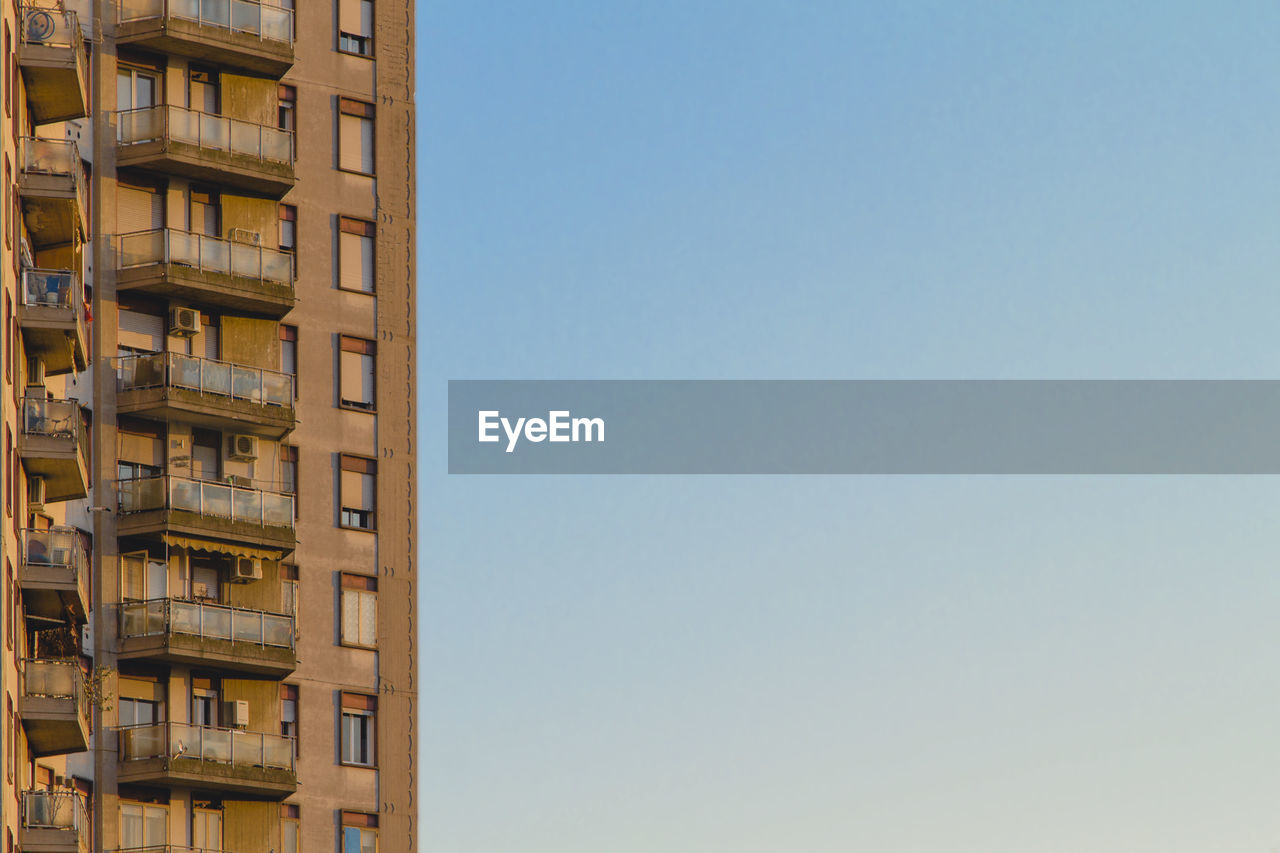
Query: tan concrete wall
<point x="249" y="98"/>
<point x="251" y="341"/>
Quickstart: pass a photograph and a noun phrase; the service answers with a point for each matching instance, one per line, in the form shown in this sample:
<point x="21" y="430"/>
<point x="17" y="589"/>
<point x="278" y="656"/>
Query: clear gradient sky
<point x="818" y="190"/>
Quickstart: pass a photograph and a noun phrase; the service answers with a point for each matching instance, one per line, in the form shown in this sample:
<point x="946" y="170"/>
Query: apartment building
<point x="207" y="529"/>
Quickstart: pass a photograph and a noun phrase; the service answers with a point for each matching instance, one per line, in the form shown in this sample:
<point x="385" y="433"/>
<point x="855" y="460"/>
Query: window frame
<point x="362" y="706"/>
<point x="365" y="229"/>
<point x="366" y="41"/>
<point x="360" y="465"/>
<point x="364" y="347"/>
<point x="366" y="112"/>
<point x="351" y="583"/>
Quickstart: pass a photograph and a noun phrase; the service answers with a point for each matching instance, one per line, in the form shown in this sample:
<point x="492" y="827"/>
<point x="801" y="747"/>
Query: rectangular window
<point x="355" y="27"/>
<point x="8" y="51"/>
<point x="358" y="487"/>
<point x="356" y="363"/>
<point x="10" y="736"/>
<point x="359" y="610"/>
<point x="355" y="136"/>
<point x="143" y="825"/>
<point x="289" y="713"/>
<point x="289" y="473"/>
<point x="287" y="108"/>
<point x="289" y="589"/>
<point x="288" y="228"/>
<point x="8" y="470"/>
<point x="355" y="254"/>
<point x="290" y="815"/>
<point x="9" y="605"/>
<point x="289" y="354"/>
<point x="358" y="715"/>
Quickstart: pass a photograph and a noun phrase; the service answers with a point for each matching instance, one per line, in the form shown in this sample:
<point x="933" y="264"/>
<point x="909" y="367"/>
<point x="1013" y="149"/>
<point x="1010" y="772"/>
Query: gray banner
<point x="864" y="427"/>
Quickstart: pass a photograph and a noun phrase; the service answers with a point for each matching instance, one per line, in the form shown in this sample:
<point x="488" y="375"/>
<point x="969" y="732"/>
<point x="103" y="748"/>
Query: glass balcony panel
<point x="277" y="24"/>
<point x="248" y="505"/>
<point x="142" y="125"/>
<point x="247" y="748"/>
<point x="246" y="139"/>
<point x="246" y="383"/>
<point x="246" y="17"/>
<point x="277" y="509"/>
<point x="185" y="495"/>
<point x="277" y="388"/>
<point x="185" y="371"/>
<point x="216" y="500"/>
<point x="246" y="260"/>
<point x="216" y="744"/>
<point x="217" y="622"/>
<point x="50" y="156"/>
<point x="52" y="810"/>
<point x="184" y="248"/>
<point x="246" y="626"/>
<point x="217" y="378"/>
<point x="141" y="248"/>
<point x="137" y="10"/>
<point x="139" y="742"/>
<point x="277" y="145"/>
<point x="277" y="752"/>
<point x="184" y="618"/>
<point x="215" y="132"/>
<point x="216" y="12"/>
<point x="184" y="125"/>
<point x="51" y="288"/>
<point x="277" y="266"/>
<point x="50" y="678"/>
<point x="277" y="630"/>
<point x="215" y="255"/>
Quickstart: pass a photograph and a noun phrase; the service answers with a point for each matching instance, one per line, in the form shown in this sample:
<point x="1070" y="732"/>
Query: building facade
<point x="208" y="481"/>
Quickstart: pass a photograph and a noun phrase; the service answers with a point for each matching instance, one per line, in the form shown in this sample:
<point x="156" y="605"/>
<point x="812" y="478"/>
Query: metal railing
<point x="55" y="809"/>
<point x="205" y="130"/>
<point x="57" y="548"/>
<point x="235" y="747"/>
<point x="268" y="23"/>
<point x="164" y="616"/>
<point x="205" y="254"/>
<point x="54" y="678"/>
<point x="207" y="498"/>
<point x="167" y="848"/>
<point x="205" y="376"/>
<point x="59" y="419"/>
<point x="50" y="288"/>
<point x="57" y="157"/>
<point x="49" y="27"/>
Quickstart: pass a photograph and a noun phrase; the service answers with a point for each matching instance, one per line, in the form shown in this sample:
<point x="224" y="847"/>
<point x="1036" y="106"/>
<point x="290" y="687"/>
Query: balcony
<point x="54" y="66"/>
<point x="51" y="314"/>
<point x="241" y="33"/>
<point x="208" y="635"/>
<point x="232" y="760"/>
<point x="209" y="148"/>
<point x="54" y="575"/>
<point x="54" y="444"/>
<point x="206" y="392"/>
<point x="52" y="186"/>
<point x="184" y="267"/>
<point x="54" y="706"/>
<point x="206" y="509"/>
<point x="55" y="821"/>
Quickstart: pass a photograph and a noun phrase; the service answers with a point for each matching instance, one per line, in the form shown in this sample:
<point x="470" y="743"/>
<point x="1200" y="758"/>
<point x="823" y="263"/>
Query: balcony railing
<point x="50" y="288"/>
<point x="204" y="130"/>
<point x="268" y="23"/>
<point x="52" y="678"/>
<point x="58" y="419"/>
<point x="49" y="27"/>
<point x="164" y="616"/>
<point x="215" y="500"/>
<point x="205" y="376"/>
<point x="54" y="810"/>
<point x="56" y="548"/>
<point x="205" y="254"/>
<point x="55" y="157"/>
<point x="235" y="747"/>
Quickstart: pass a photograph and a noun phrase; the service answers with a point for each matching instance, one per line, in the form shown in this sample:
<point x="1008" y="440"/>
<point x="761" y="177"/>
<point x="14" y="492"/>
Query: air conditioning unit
<point x="35" y="372"/>
<point x="244" y="235"/>
<point x="246" y="569"/>
<point x="238" y="714"/>
<point x="35" y="493"/>
<point x="184" y="321"/>
<point x="244" y="447"/>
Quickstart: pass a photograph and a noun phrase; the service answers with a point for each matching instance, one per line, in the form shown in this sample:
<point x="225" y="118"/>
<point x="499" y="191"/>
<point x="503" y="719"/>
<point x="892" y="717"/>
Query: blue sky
<point x="847" y="190"/>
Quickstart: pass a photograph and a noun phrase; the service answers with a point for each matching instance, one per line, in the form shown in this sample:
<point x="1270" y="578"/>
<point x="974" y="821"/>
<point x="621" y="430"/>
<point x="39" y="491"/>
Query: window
<point x="289" y="589"/>
<point x="8" y="605"/>
<point x="204" y="703"/>
<point x="289" y="475"/>
<point x="355" y="254"/>
<point x="10" y="736"/>
<point x="206" y="828"/>
<point x="355" y="136"/>
<point x="143" y="825"/>
<point x="359" y="610"/>
<point x="356" y="365"/>
<point x="355" y="27"/>
<point x="8" y="470"/>
<point x="8" y="51"/>
<point x="139" y="712"/>
<point x="358" y="486"/>
<point x="289" y="354"/>
<point x="142" y="578"/>
<point x="289" y="820"/>
<point x="358" y="713"/>
<point x="359" y="833"/>
<point x="287" y="108"/>
<point x="288" y="228"/>
<point x="289" y="713"/>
